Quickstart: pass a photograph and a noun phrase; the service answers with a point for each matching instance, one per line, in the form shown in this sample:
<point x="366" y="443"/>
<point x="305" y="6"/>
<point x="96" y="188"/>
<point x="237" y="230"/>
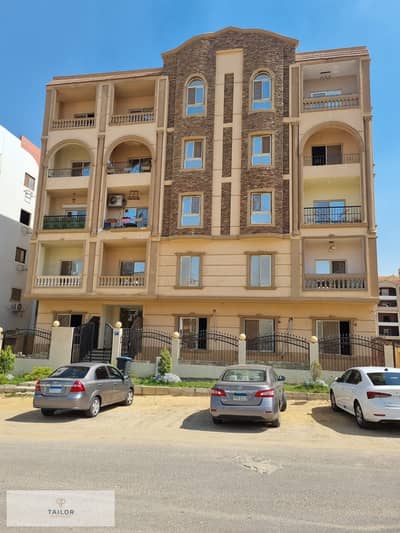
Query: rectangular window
<point x="24" y="217"/>
<point x="189" y="271"/>
<point x="327" y="155"/>
<point x="137" y="165"/>
<point x="191" y="210"/>
<point x="29" y="181"/>
<point x="260" y="271"/>
<point x="15" y="295"/>
<point x="193" y="331"/>
<point x="71" y="268"/>
<point x="132" y="268"/>
<point x="193" y="158"/>
<point x="321" y="94"/>
<point x="261" y="208"/>
<point x="83" y="115"/>
<point x="336" y="334"/>
<point x="20" y="255"/>
<point x="326" y="266"/>
<point x="69" y="320"/>
<point x="260" y="334"/>
<point x="135" y="217"/>
<point x="330" y="211"/>
<point x="80" y="168"/>
<point x="261" y="150"/>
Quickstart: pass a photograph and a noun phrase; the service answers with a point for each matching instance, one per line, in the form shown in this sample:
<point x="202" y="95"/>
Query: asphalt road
<point x="173" y="471"/>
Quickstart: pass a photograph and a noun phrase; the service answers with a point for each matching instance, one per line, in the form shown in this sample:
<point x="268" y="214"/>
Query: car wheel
<point x="333" y="401"/>
<point x="216" y="420"/>
<point x="283" y="406"/>
<point x="94" y="408"/>
<point x="47" y="412"/>
<point x="129" y="398"/>
<point x="359" y="416"/>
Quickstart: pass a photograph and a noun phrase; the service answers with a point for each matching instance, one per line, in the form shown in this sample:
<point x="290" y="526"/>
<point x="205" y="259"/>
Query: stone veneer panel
<point x="227" y="153"/>
<point x="228" y="97"/>
<point x="226" y="209"/>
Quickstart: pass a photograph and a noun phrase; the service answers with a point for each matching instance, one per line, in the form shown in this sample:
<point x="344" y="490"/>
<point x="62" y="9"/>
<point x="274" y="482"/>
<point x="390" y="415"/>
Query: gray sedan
<point x="83" y="386"/>
<point x="248" y="391"/>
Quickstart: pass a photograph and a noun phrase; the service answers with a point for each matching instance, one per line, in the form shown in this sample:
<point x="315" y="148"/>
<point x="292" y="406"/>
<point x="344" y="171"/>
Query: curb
<point x="147" y="390"/>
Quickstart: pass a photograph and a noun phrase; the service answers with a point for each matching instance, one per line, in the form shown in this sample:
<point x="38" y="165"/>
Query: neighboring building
<point x="19" y="168"/>
<point x="389" y="307"/>
<point x="231" y="189"/>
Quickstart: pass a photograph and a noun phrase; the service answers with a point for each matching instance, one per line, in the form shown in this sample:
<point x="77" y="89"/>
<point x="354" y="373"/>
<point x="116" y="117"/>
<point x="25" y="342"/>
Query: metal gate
<point x="84" y="344"/>
<point x="28" y="342"/>
<point x="340" y="353"/>
<point x="209" y="347"/>
<point x="280" y="349"/>
<point x="144" y="344"/>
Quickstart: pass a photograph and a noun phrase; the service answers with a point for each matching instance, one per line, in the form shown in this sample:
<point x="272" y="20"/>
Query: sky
<point x="44" y="38"/>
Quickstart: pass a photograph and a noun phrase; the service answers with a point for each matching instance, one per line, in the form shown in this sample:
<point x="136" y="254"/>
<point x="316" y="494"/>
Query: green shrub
<point x="165" y="364"/>
<point x="7" y="360"/>
<point x="38" y="372"/>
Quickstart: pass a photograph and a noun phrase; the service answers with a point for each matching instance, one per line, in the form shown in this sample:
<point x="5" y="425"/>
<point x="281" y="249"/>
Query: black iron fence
<point x="83" y="341"/>
<point x="280" y="349"/>
<point x="144" y="344"/>
<point x="333" y="215"/>
<point x="340" y="353"/>
<point x="209" y="347"/>
<point x="34" y="343"/>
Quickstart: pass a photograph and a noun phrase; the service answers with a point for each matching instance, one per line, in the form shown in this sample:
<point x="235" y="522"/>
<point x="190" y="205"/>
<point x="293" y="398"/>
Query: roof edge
<point x="105" y="75"/>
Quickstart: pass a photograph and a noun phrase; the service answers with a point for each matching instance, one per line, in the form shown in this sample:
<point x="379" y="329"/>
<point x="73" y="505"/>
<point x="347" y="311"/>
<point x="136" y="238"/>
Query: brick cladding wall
<point x="198" y="57"/>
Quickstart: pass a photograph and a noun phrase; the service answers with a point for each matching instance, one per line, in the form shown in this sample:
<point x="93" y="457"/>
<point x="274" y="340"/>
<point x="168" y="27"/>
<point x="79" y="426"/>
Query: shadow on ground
<point x="344" y="423"/>
<point x="201" y="421"/>
<point x="35" y="416"/>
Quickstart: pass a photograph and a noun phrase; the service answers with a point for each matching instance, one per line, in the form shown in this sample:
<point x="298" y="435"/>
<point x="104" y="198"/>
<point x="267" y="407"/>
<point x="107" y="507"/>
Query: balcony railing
<point x="318" y="160"/>
<point x="58" y="281"/>
<point x="333" y="215"/>
<point x="343" y="101"/>
<point x="335" y="282"/>
<point x="132" y="118"/>
<point x="67" y="123"/>
<point x="136" y="280"/>
<point x="138" y="221"/>
<point x="68" y="172"/>
<point x="134" y="166"/>
<point x="64" y="222"/>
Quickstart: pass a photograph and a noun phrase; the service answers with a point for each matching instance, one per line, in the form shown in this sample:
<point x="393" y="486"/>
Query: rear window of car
<point x="77" y="372"/>
<point x="385" y="378"/>
<point x="244" y="374"/>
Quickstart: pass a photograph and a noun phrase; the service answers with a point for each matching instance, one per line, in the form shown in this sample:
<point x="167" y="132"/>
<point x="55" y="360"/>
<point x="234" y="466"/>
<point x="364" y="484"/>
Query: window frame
<point x="261" y="154"/>
<point x="186" y="104"/>
<point x="252" y="100"/>
<point x="28" y="179"/>
<point x="181" y="199"/>
<point x="23" y="252"/>
<point x="250" y="256"/>
<point x="179" y="257"/>
<point x="134" y="262"/>
<point x="331" y="261"/>
<point x="16" y="294"/>
<point x="27" y="213"/>
<point x="250" y="210"/>
<point x="193" y="140"/>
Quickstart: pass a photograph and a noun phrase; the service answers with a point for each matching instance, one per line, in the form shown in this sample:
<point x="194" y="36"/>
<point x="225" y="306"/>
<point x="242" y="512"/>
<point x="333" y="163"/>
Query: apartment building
<point x="389" y="307"/>
<point x="230" y="189"/>
<point x="19" y="168"/>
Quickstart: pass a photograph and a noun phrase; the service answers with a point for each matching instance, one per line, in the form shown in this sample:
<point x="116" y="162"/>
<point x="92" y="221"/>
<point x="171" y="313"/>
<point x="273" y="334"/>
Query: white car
<point x="371" y="394"/>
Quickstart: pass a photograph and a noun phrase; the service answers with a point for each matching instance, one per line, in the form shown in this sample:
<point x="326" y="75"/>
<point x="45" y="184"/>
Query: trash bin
<point x="124" y="364"/>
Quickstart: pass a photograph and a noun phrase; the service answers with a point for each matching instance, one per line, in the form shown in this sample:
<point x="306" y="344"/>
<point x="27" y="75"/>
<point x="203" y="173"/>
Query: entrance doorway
<point x="131" y="317"/>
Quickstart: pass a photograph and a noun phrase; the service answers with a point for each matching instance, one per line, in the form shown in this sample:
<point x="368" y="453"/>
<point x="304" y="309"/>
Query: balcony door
<point x="193" y="331"/>
<point x="339" y="332"/>
<point x="330" y="211"/>
<point x="327" y="155"/>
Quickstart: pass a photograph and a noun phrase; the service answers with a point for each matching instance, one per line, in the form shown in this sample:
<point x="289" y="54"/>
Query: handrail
<point x="68" y="172"/>
<point x="349" y="214"/>
<point x="132" y="118"/>
<point x="335" y="281"/>
<point x="136" y="280"/>
<point x="331" y="102"/>
<point x="58" y="281"/>
<point x="66" y="123"/>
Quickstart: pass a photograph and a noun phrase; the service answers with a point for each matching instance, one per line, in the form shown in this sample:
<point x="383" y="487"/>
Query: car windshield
<point x="76" y="372"/>
<point x="385" y="378"/>
<point x="244" y="374"/>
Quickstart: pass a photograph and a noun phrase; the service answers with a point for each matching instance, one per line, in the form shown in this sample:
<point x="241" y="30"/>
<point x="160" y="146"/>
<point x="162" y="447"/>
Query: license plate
<point x="55" y="390"/>
<point x="240" y="397"/>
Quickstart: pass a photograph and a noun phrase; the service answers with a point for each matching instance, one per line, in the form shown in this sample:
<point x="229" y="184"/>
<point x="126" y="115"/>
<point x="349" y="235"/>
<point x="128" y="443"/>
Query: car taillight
<point x="371" y="394"/>
<point x="38" y="388"/>
<point x="217" y="392"/>
<point x="77" y="386"/>
<point x="266" y="393"/>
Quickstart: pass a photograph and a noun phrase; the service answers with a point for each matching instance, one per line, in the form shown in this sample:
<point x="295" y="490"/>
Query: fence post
<point x="60" y="345"/>
<point x="175" y="348"/>
<point x="242" y="349"/>
<point x="1" y="337"/>
<point x="314" y="350"/>
<point x="388" y="351"/>
<point x="116" y="342"/>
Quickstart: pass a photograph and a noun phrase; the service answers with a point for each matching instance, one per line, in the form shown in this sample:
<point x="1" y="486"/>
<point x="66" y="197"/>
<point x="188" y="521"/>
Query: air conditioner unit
<point x="17" y="308"/>
<point x="115" y="200"/>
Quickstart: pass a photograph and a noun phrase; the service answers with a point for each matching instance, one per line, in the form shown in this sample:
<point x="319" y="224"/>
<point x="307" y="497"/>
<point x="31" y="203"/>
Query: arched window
<point x="195" y="97"/>
<point x="262" y="92"/>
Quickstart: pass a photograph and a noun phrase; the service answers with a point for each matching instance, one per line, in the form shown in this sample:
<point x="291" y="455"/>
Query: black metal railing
<point x="342" y="352"/>
<point x="144" y="344"/>
<point x="281" y="349"/>
<point x="64" y="221"/>
<point x="141" y="220"/>
<point x="68" y="172"/>
<point x="339" y="159"/>
<point x="34" y="343"/>
<point x="83" y="341"/>
<point x="333" y="215"/>
<point x="129" y="167"/>
<point x="209" y="347"/>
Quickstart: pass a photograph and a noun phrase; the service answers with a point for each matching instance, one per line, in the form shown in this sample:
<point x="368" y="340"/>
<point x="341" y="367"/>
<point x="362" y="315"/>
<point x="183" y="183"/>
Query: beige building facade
<point x="231" y="189"/>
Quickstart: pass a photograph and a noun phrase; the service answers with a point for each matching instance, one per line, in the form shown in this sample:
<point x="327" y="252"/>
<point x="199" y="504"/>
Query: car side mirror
<point x="339" y="379"/>
<point x="281" y="378"/>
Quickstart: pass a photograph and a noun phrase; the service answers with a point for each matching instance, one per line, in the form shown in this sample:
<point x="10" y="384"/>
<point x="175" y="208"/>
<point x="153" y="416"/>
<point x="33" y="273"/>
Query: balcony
<point x="133" y="166"/>
<point x="72" y="123"/>
<point x="68" y="172"/>
<point x="134" y="280"/>
<point x="51" y="222"/>
<point x="335" y="282"/>
<point x="333" y="215"/>
<point x="57" y="281"/>
<point x="133" y="218"/>
<point x="134" y="117"/>
<point x="322" y="103"/>
<point x="341" y="159"/>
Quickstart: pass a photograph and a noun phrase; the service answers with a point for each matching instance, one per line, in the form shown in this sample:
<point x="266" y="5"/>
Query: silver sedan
<point x="248" y="391"/>
<point x="83" y="386"/>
